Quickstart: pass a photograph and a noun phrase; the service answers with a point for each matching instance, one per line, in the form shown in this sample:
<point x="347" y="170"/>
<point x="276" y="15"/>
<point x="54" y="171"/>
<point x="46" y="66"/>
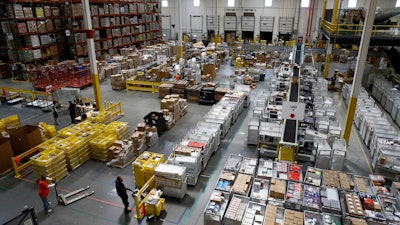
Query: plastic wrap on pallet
<point x="192" y="162"/>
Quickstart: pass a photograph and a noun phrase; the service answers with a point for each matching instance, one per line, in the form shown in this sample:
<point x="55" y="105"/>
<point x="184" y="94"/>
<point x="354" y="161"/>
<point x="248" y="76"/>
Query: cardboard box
<point x="5" y="155"/>
<point x="25" y="138"/>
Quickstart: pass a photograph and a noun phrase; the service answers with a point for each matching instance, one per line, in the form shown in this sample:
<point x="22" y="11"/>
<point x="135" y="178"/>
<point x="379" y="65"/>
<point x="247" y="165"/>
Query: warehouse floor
<point x="104" y="206"/>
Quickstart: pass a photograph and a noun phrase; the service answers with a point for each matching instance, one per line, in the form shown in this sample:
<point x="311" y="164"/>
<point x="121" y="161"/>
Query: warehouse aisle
<point x="104" y="207"/>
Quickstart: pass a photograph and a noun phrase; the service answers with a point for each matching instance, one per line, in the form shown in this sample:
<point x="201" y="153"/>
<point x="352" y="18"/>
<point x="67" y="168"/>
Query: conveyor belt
<point x="294" y="94"/>
<point x="289" y="134"/>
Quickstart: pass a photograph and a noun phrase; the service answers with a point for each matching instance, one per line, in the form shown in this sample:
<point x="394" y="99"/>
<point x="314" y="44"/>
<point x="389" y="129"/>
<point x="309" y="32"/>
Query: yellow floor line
<point x="365" y="155"/>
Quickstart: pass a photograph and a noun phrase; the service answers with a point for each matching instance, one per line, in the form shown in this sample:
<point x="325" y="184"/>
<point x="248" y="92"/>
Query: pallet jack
<point x="66" y="199"/>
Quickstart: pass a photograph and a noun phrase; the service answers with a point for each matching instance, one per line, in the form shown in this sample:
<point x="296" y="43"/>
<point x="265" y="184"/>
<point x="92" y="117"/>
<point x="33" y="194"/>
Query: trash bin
<point x="156" y="119"/>
<point x="262" y="77"/>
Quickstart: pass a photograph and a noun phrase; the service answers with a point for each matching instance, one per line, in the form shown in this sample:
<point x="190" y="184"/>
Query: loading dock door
<point x="196" y="27"/>
<point x="285" y="28"/>
<point x="230" y="28"/>
<point x="267" y="28"/>
<point x="248" y="23"/>
<point x="212" y="27"/>
<point x="166" y="27"/>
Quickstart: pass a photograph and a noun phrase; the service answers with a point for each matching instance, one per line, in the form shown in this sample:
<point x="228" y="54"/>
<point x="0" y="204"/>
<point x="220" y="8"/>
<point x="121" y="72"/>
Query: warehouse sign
<point x="293" y="110"/>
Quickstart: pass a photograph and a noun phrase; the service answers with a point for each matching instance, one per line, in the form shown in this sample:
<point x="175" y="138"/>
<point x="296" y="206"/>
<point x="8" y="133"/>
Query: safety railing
<point x="115" y="108"/>
<point x="17" y="161"/>
<point x="356" y="29"/>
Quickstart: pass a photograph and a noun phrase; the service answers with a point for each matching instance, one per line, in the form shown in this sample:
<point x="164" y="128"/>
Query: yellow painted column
<point x="349" y="118"/>
<point x="328" y="59"/>
<point x="323" y="11"/>
<point x="335" y="11"/>
<point x="327" y="65"/>
<point x="180" y="52"/>
<point x="362" y="56"/>
<point x="216" y="38"/>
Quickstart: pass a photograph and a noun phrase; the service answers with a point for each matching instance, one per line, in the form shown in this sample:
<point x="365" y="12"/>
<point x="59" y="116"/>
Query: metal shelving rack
<point x="117" y="24"/>
<point x="33" y="30"/>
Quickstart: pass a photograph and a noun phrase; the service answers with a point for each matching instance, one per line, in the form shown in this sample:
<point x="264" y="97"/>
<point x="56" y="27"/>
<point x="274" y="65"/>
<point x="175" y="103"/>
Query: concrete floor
<point x="104" y="206"/>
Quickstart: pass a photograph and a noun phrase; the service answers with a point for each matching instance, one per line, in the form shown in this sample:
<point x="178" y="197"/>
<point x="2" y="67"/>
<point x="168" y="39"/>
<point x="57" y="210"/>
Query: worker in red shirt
<point x="44" y="192"/>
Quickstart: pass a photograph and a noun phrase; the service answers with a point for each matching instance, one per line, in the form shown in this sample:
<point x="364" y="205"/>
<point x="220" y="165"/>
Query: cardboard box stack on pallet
<point x="179" y="87"/>
<point x="242" y="184"/>
<point x="122" y="153"/>
<point x="293" y="217"/>
<point x="164" y="89"/>
<point x="139" y="139"/>
<point x="277" y="189"/>
<point x="171" y="179"/>
<point x="220" y="92"/>
<point x="193" y="92"/>
<point x="175" y="106"/>
<point x="188" y="157"/>
<point x="5" y="154"/>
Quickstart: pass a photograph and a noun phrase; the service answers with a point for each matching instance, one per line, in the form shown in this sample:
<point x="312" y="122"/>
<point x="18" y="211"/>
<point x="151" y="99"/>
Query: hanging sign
<point x="293" y="110"/>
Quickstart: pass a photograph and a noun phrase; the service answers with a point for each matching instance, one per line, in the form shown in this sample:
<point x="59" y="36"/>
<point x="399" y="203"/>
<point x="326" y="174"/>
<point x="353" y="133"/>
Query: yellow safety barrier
<point x="33" y="94"/>
<point x="115" y="108"/>
<point x="16" y="160"/>
<point x="139" y="202"/>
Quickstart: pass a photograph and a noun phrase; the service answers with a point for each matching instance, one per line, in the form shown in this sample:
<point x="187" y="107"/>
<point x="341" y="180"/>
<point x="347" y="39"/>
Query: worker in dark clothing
<point x="55" y="112"/>
<point x="121" y="190"/>
<point x="72" y="111"/>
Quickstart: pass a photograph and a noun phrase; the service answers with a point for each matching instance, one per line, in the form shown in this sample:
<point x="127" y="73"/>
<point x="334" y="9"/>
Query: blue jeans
<point x="45" y="204"/>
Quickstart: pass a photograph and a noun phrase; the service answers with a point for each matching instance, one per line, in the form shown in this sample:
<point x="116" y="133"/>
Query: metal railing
<point x="356" y="29"/>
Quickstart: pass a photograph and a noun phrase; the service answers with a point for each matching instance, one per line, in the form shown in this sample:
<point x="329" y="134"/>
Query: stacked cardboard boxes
<point x="5" y="154"/>
<point x="357" y="221"/>
<point x="188" y="157"/>
<point x="242" y="184"/>
<point x="122" y="154"/>
<point x="164" y="90"/>
<point x="277" y="189"/>
<point x="226" y="181"/>
<point x="270" y="215"/>
<point x="330" y="178"/>
<point x="193" y="92"/>
<point x="174" y="105"/>
<point x="345" y="182"/>
<point x="171" y="179"/>
<point x="117" y="82"/>
<point x="236" y="209"/>
<point x="293" y="217"/>
<point x="139" y="139"/>
<point x="179" y="87"/>
<point x="220" y="92"/>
